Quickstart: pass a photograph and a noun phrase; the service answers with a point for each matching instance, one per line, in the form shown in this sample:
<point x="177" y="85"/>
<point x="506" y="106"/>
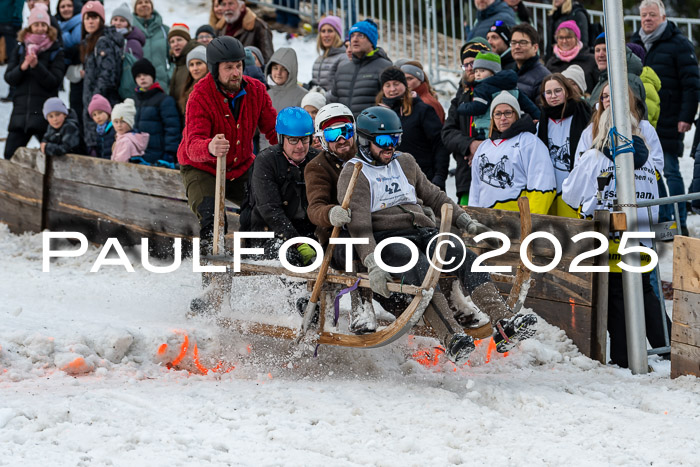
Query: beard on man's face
<point x="231" y="16"/>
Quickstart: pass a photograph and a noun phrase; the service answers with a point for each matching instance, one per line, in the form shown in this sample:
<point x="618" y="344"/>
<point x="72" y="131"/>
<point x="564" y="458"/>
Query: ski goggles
<point x="387" y="141"/>
<point x="334" y="134"/>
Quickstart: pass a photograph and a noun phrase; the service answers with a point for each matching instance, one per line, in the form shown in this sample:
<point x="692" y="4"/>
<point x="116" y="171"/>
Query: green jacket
<point x="156" y="49"/>
<point x="12" y="13"/>
<point x="652" y="85"/>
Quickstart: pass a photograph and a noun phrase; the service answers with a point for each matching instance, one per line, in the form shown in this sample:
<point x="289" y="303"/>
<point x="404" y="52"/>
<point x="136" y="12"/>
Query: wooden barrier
<point x="103" y="199"/>
<point x="685" y="333"/>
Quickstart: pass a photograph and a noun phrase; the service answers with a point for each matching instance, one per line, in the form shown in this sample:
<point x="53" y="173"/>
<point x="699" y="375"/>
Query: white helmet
<point x="326" y="113"/>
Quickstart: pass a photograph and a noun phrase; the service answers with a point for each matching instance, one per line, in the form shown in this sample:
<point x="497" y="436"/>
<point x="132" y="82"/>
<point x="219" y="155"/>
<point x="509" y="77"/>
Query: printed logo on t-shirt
<point x="560" y="155"/>
<point x="497" y="175"/>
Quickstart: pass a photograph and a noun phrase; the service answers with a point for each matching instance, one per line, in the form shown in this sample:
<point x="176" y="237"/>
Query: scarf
<point x="394" y="103"/>
<point x="521" y="125"/>
<point x="581" y="113"/>
<point x="568" y="55"/>
<point x="233" y="28"/>
<point x="649" y="39"/>
<point x="37" y="43"/>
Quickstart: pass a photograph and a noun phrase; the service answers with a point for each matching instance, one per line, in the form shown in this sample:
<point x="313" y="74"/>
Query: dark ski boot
<point x="513" y="330"/>
<point x="459" y="348"/>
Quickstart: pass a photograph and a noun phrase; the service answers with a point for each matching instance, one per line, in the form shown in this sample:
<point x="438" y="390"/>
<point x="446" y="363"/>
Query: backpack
<point x="594" y="29"/>
<point x="127" y="85"/>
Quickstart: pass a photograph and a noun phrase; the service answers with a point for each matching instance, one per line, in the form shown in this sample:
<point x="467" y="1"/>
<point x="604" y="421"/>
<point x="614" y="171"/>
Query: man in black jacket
<point x="356" y="83"/>
<point x="277" y="193"/>
<point x="457" y="130"/>
<point x="524" y="47"/>
<point x="673" y="59"/>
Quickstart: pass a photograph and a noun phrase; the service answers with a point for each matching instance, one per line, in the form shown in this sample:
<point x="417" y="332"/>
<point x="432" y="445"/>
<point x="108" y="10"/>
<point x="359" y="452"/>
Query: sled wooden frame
<point x="104" y="199"/>
<point x="384" y="336"/>
<point x="404" y="323"/>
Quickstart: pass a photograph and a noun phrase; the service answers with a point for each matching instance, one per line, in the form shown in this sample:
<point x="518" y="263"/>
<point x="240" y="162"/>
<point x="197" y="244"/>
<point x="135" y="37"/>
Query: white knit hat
<point x="575" y="73"/>
<point x="505" y="98"/>
<point x="314" y="99"/>
<point x="125" y="111"/>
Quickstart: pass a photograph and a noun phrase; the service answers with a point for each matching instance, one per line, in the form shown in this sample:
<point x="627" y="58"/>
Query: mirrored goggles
<point x="334" y="134"/>
<point x="387" y="141"/>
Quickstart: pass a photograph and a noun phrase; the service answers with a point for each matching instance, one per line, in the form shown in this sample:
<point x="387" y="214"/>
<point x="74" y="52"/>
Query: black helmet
<point x="379" y="125"/>
<point x="378" y="121"/>
<point x="224" y="49"/>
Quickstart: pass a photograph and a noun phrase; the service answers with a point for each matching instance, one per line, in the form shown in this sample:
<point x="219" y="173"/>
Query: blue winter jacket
<point x="156" y="114"/>
<point x="105" y="141"/>
<point x="70" y="32"/>
<point x="498" y="10"/>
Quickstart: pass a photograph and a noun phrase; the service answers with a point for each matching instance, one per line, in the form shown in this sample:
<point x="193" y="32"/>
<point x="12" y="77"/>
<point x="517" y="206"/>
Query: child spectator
<point x="100" y="111"/>
<point x="63" y="133"/>
<point x="156" y="115"/>
<point x="251" y="68"/>
<point x="490" y="81"/>
<point x="35" y="71"/>
<point x="281" y="74"/>
<point x="128" y="143"/>
<point x="312" y="103"/>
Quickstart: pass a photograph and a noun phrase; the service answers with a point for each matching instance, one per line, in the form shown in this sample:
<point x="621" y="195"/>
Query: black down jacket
<point x="277" y="195"/>
<point x="457" y="135"/>
<point x="673" y="58"/>
<point x="66" y="139"/>
<point x="103" y="71"/>
<point x="33" y="86"/>
<point x="356" y="83"/>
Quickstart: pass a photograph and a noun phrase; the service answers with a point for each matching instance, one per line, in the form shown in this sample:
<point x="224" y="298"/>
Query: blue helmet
<point x="294" y="121"/>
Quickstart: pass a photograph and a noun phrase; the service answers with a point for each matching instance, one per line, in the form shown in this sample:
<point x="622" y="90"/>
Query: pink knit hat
<point x="93" y="7"/>
<point x="334" y="22"/>
<point x="571" y="24"/>
<point x="98" y="102"/>
<point x="39" y="14"/>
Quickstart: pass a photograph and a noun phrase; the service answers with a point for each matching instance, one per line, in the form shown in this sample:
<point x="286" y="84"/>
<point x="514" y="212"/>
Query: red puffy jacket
<point x="209" y="113"/>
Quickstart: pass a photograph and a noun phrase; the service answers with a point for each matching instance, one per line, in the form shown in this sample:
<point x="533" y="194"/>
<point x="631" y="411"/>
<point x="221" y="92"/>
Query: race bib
<point x="388" y="185"/>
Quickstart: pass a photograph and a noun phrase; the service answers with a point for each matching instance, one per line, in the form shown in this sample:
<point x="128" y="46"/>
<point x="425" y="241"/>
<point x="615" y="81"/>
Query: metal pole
<point x="626" y="193"/>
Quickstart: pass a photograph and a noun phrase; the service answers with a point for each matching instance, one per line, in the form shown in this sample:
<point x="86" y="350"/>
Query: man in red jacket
<point x="223" y="111"/>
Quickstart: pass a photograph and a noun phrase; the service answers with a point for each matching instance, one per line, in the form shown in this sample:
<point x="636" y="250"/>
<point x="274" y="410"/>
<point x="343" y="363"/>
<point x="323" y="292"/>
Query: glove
<point x="339" y="216"/>
<point x="471" y="226"/>
<point x="428" y="211"/>
<point x="307" y="253"/>
<point x="378" y="278"/>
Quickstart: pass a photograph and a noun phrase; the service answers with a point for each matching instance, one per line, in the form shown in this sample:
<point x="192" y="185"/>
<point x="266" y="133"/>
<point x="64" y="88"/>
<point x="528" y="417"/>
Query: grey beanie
<point x="505" y="98"/>
<point x="314" y="99"/>
<point x="575" y="73"/>
<point x="413" y="71"/>
<point x="54" y="104"/>
<point x="198" y="53"/>
<point x="124" y="11"/>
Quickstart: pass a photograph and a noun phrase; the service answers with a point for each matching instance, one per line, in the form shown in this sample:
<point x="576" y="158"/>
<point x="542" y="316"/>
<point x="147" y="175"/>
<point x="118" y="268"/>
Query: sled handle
<point x="315" y="294"/>
<point x="219" y="205"/>
<point x="310" y="311"/>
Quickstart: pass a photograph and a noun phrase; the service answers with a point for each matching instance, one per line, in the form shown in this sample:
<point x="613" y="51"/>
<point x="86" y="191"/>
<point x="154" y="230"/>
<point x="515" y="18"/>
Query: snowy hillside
<point x="87" y="377"/>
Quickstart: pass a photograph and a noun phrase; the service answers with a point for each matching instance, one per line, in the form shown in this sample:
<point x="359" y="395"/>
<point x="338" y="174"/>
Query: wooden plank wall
<point x="103" y="199"/>
<point x="565" y="299"/>
<point x="685" y="332"/>
<point x="22" y="191"/>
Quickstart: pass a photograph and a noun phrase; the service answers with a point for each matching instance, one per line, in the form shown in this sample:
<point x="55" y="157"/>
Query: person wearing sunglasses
<point x="389" y="200"/>
<point x="512" y="163"/>
<point x="277" y="192"/>
<point x="421" y="125"/>
<point x="335" y="128"/>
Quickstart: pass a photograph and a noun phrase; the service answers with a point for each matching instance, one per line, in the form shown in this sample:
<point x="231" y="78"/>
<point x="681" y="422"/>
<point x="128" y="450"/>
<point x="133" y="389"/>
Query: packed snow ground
<point x="84" y="380"/>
